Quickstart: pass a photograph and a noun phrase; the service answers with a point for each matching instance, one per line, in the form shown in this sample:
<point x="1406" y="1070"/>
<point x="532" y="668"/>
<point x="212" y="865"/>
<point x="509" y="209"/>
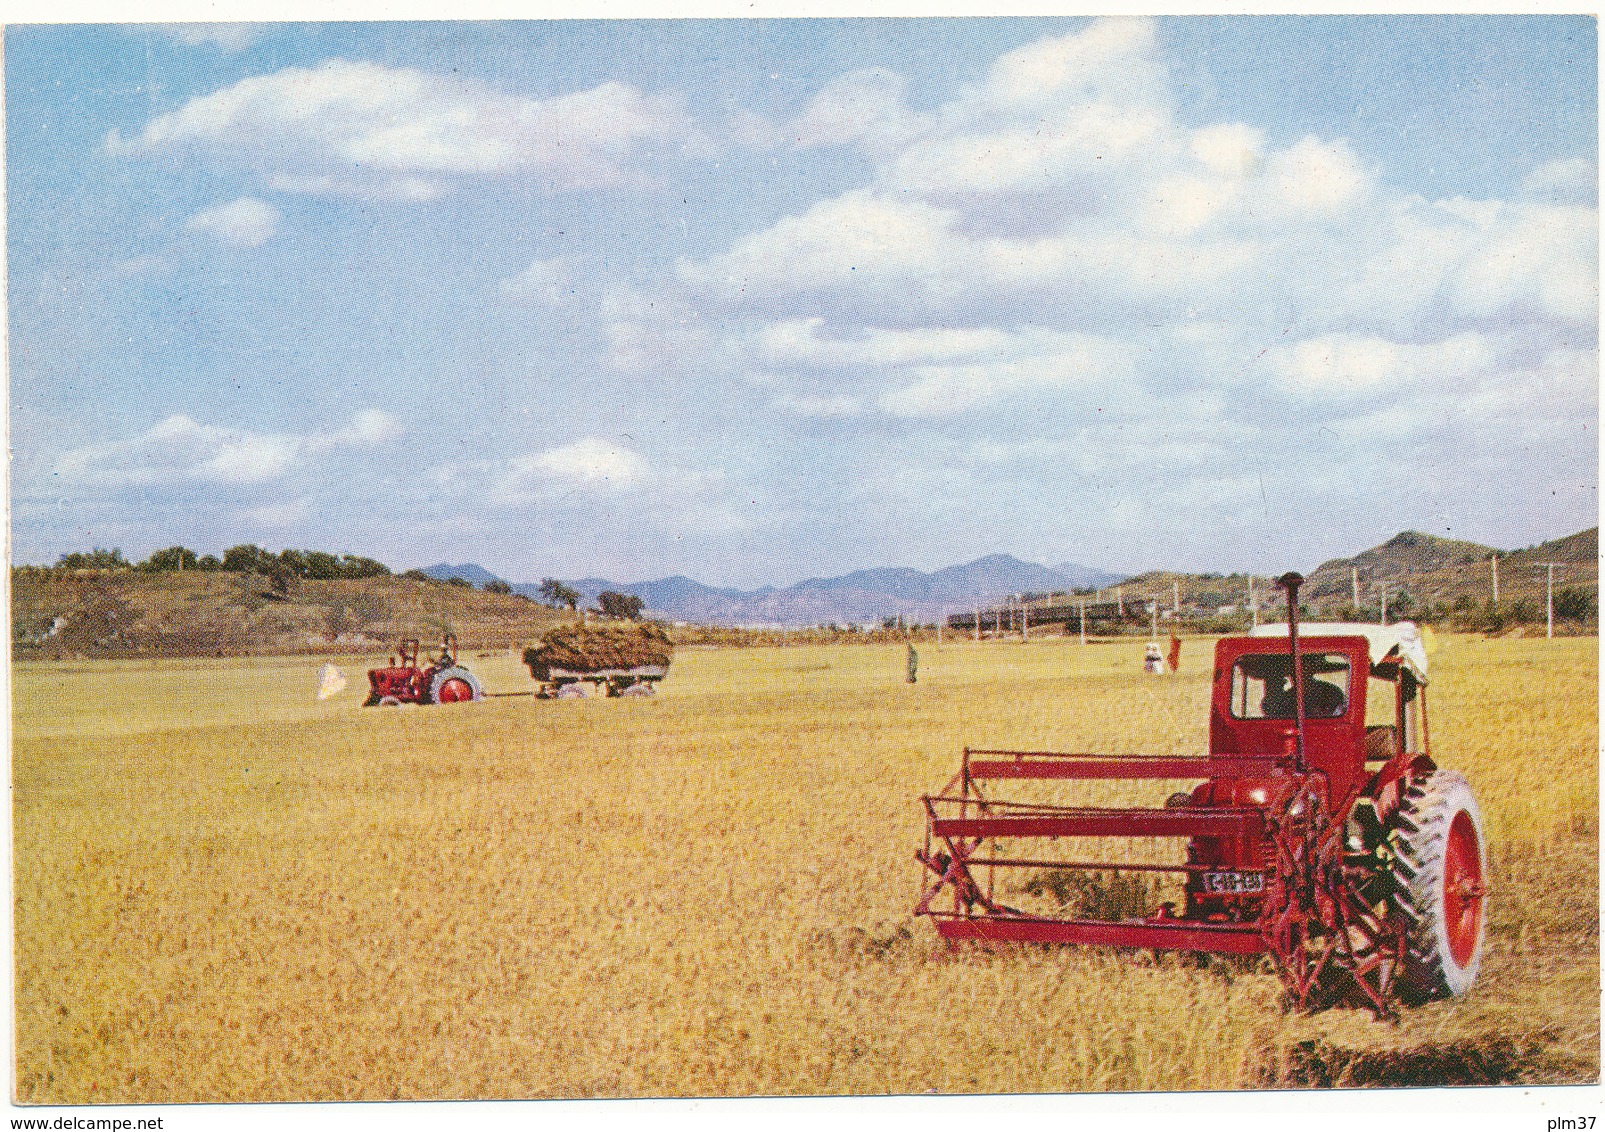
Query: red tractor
<point x="1331" y="842"/>
<point x="443" y="682"/>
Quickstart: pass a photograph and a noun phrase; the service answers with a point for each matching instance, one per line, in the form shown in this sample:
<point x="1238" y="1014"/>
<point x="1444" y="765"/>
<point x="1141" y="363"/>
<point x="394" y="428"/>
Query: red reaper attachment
<point x="1327" y="841"/>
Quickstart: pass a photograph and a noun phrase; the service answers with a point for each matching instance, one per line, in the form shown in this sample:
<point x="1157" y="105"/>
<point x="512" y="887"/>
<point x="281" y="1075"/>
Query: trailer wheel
<point x="454" y="685"/>
<point x="1439" y="864"/>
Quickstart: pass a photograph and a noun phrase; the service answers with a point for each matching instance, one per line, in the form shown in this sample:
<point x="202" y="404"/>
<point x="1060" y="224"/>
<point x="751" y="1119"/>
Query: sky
<point x="759" y="300"/>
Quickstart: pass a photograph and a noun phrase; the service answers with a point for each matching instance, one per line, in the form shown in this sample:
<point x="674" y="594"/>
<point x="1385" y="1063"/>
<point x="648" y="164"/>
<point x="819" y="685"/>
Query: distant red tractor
<point x="1329" y="841"/>
<point x="444" y="681"/>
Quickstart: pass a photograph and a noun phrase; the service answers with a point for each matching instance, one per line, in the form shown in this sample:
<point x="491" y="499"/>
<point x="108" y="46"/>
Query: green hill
<point x="1448" y="573"/>
<point x="1426" y="577"/>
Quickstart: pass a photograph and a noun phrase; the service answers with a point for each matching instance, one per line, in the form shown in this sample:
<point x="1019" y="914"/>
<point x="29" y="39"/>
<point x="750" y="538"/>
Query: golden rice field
<point x="228" y="891"/>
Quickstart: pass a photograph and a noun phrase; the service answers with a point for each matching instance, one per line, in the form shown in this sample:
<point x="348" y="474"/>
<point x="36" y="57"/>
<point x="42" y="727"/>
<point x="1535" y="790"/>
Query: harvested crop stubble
<point x="582" y="649"/>
<point x="227" y="889"/>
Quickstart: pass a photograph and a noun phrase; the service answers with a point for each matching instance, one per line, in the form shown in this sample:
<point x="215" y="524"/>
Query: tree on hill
<point x="96" y="559"/>
<point x="460" y="583"/>
<point x="497" y="586"/>
<point x="174" y="558"/>
<point x="321" y="565"/>
<point x="557" y="595"/>
<point x="248" y="559"/>
<point x="356" y="566"/>
<point x="1574" y="604"/>
<point x="622" y="607"/>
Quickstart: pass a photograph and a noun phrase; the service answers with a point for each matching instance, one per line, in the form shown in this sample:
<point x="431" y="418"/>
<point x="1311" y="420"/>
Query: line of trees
<point x="621" y="607"/>
<point x="245" y="559"/>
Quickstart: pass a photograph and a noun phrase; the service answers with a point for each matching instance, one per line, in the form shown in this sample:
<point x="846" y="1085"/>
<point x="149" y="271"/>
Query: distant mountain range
<point x="859" y="597"/>
<point x="470" y="572"/>
<point x="1424" y="567"/>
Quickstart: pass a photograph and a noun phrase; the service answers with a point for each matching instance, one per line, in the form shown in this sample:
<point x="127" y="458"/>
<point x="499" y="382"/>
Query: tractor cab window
<point x="1262" y="686"/>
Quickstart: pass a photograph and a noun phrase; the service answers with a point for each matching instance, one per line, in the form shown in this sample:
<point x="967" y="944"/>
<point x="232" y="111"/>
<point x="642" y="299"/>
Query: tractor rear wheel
<point x="1439" y="865"/>
<point x="454" y="685"/>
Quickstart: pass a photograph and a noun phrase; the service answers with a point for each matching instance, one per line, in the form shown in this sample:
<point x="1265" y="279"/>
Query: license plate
<point x="1234" y="882"/>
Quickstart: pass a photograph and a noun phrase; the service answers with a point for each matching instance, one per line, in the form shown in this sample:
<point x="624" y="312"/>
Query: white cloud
<point x="1110" y="59"/>
<point x="544" y="281"/>
<point x="1343" y="365"/>
<point x="589" y="461"/>
<point x="857" y="240"/>
<point x="1317" y="177"/>
<point x="862" y="106"/>
<point x="1062" y="111"/>
<point x="1031" y="156"/>
<point x="1181" y="205"/>
<point x="368" y="429"/>
<point x="179" y="449"/>
<point x="1569" y="181"/>
<point x="947" y="390"/>
<point x="244" y="223"/>
<point x="1233" y="149"/>
<point x="1543" y="257"/>
<point x="798" y="342"/>
<point x="928" y="371"/>
<point x="366" y="129"/>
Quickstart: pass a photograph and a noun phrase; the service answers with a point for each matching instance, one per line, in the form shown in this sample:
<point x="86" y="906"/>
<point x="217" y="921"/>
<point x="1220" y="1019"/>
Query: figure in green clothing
<point x="913" y="664"/>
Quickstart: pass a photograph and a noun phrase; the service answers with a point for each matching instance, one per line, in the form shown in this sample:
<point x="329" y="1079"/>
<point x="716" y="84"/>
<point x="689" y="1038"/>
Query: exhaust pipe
<point x="1290" y="582"/>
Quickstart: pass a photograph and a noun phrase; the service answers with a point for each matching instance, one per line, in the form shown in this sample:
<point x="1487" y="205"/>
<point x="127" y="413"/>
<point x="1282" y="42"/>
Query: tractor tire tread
<point x="1418" y="841"/>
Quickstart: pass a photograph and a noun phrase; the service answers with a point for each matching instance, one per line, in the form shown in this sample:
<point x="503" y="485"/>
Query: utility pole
<point x="1175" y="598"/>
<point x="1153" y="612"/>
<point x="1025" y="619"/>
<point x="1493" y="564"/>
<point x="1382" y="600"/>
<point x="1549" y="598"/>
<point x="978" y="621"/>
<point x="1354" y="582"/>
<point x="1083" y="620"/>
<point x="1120" y="602"/>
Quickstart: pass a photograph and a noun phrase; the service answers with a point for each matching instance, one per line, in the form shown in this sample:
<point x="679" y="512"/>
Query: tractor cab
<point x="1364" y="698"/>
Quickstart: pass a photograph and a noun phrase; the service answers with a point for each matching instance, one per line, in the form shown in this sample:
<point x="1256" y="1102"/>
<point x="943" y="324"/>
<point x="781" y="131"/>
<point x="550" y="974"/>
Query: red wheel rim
<point x="1462" y="888"/>
<point x="454" y="691"/>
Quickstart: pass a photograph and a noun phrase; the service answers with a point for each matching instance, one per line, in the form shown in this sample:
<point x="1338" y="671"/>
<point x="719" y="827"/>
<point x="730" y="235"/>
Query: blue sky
<point x="758" y="300"/>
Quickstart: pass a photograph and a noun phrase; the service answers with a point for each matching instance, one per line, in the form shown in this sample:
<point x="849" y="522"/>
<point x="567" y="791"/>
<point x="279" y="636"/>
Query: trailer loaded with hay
<point x="625" y="660"/>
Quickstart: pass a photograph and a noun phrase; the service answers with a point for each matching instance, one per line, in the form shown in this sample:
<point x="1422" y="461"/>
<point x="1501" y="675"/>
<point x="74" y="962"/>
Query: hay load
<point x="619" y="656"/>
